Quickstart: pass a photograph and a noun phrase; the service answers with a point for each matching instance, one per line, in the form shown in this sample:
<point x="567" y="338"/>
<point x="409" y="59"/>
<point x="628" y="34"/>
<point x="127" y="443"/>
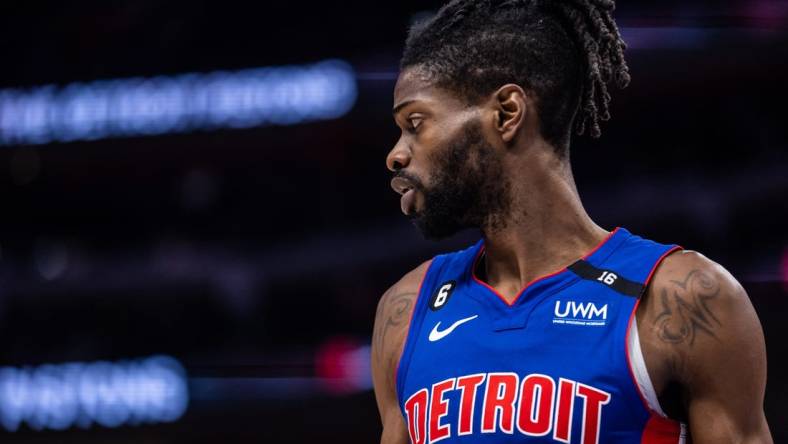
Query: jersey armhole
<point x="401" y="369"/>
<point x="634" y="352"/>
<point x="637" y="367"/>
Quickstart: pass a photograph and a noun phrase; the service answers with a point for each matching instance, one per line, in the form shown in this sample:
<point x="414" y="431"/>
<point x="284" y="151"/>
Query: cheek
<point x="431" y="149"/>
<point x="425" y="155"/>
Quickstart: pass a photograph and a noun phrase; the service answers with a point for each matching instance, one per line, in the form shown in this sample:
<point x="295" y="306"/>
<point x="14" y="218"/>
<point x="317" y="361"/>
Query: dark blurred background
<point x="255" y="256"/>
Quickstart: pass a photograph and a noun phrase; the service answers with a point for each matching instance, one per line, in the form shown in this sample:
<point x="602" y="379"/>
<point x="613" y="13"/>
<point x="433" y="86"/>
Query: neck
<point x="545" y="229"/>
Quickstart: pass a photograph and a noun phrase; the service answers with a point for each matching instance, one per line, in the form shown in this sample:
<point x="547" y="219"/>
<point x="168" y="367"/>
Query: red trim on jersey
<point x="661" y="430"/>
<point x="629" y="328"/>
<point x="541" y="278"/>
<point x="410" y="321"/>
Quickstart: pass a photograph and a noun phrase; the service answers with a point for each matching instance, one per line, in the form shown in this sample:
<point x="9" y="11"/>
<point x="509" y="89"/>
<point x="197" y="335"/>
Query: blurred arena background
<point x="196" y="221"/>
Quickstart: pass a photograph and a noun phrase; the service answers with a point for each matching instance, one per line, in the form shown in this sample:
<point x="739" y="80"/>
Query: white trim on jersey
<point x="640" y="371"/>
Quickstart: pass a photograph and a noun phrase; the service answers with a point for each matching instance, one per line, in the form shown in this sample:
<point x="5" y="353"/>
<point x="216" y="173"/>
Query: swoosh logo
<point x="437" y="335"/>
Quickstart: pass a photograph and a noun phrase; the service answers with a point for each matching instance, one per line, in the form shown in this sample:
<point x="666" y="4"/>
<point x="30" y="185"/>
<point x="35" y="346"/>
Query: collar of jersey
<point x="549" y="283"/>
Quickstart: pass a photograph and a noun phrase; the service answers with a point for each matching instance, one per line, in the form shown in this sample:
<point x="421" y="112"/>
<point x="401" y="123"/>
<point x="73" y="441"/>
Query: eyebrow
<point x="400" y="106"/>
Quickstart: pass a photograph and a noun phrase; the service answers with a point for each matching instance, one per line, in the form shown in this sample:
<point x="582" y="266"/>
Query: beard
<point x="467" y="189"/>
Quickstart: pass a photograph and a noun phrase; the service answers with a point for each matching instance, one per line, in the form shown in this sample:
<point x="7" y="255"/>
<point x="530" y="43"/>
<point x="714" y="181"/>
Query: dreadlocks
<point x="565" y="52"/>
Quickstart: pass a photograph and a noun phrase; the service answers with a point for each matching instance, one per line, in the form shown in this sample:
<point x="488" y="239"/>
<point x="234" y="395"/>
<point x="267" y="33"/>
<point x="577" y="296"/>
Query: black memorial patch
<point x="610" y="278"/>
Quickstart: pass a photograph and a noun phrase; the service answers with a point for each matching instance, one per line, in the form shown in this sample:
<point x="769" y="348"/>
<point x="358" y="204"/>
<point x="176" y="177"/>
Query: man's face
<point x="449" y="174"/>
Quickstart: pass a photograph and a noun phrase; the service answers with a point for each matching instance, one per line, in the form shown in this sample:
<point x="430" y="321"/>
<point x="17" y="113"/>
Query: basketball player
<point x="550" y="328"/>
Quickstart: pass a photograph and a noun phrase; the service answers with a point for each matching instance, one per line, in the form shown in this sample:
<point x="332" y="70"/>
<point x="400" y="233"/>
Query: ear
<point x="511" y="105"/>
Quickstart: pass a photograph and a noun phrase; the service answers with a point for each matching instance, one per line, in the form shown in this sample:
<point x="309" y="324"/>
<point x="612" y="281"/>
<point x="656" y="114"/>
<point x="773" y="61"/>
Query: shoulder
<point x="698" y="312"/>
<point x="402" y="295"/>
<point x="393" y="315"/>
<point x="690" y="277"/>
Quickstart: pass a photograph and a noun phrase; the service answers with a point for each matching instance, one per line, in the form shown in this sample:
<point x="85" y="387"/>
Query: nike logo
<point x="437" y="335"/>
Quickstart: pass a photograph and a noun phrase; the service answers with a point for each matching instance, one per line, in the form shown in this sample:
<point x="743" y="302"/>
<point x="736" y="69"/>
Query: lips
<point x="401" y="185"/>
<point x="408" y="202"/>
<point x="406" y="188"/>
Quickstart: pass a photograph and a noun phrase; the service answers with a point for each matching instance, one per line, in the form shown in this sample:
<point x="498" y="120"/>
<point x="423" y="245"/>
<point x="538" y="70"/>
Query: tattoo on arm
<point x="685" y="308"/>
<point x="393" y="311"/>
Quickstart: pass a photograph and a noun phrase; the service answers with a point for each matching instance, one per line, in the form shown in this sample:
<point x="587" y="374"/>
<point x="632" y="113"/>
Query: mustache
<point x="415" y="181"/>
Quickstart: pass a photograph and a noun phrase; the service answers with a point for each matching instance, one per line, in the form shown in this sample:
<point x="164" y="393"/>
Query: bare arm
<point x="388" y="339"/>
<point x="709" y="340"/>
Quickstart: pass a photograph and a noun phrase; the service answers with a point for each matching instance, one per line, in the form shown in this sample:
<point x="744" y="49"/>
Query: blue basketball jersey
<point x="550" y="367"/>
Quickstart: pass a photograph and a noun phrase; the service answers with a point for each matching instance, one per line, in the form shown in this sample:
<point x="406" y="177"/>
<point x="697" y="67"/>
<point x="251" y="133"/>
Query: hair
<point x="564" y="52"/>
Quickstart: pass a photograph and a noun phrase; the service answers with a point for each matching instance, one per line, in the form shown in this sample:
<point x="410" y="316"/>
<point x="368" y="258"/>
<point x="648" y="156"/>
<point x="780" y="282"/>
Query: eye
<point x="415" y="122"/>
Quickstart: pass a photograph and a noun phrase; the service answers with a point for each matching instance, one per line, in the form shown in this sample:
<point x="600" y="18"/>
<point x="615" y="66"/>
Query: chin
<point x="433" y="229"/>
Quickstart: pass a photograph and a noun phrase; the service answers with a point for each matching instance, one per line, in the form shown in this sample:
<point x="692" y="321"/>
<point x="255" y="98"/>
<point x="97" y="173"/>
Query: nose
<point x="399" y="156"/>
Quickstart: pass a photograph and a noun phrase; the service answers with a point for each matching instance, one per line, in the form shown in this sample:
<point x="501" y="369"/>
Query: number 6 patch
<point x="441" y="295"/>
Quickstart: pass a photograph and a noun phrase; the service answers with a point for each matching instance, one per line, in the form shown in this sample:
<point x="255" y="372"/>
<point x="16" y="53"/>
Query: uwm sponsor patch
<point x="580" y="313"/>
<point x="534" y="405"/>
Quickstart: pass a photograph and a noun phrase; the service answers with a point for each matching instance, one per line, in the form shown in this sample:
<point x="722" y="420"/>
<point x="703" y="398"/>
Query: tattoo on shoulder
<point x="393" y="311"/>
<point x="686" y="311"/>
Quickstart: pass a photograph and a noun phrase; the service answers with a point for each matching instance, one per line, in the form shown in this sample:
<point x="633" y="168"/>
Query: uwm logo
<point x="536" y="405"/>
<point x="580" y="313"/>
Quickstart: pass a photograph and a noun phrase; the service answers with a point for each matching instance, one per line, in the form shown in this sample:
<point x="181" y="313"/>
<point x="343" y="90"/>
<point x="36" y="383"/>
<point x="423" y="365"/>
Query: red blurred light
<point x="342" y="365"/>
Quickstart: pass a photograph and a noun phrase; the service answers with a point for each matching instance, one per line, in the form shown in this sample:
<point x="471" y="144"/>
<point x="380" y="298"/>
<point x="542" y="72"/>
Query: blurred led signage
<point x="284" y="95"/>
<point x="109" y="394"/>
